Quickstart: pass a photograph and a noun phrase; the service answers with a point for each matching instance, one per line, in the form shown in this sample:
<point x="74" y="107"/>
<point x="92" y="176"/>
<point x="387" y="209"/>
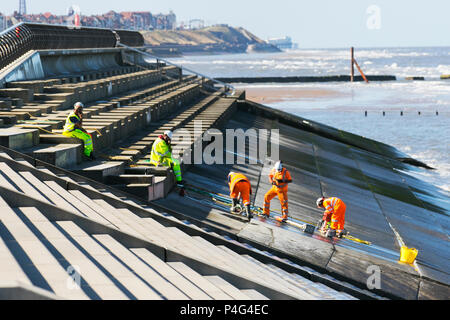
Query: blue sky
<point x="313" y="24"/>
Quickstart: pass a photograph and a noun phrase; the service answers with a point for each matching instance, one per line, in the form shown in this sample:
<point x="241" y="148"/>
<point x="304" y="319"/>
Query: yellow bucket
<point x="408" y="255"/>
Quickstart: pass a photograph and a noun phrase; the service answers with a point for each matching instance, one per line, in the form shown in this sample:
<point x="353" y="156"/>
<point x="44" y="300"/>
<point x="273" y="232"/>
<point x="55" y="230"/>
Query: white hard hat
<point x="278" y="166"/>
<point x="168" y="133"/>
<point x="319" y="201"/>
<point x="78" y="104"/>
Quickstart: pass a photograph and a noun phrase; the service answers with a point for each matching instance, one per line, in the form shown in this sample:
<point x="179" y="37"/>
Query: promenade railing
<point x="23" y="37"/>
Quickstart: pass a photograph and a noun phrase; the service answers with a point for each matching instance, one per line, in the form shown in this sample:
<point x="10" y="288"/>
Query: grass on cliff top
<point x="208" y="35"/>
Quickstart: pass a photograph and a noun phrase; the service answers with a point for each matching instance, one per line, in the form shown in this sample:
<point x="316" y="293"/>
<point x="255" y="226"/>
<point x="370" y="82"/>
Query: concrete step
<point x="8" y="118"/>
<point x="43" y="123"/>
<point x="265" y="275"/>
<point x="130" y="178"/>
<point x="179" y="281"/>
<point x="49" y="190"/>
<point x="18" y="138"/>
<point x="32" y="253"/>
<point x="197" y="279"/>
<point x="19" y="115"/>
<point x="45" y="109"/>
<point x="116" y="216"/>
<point x="40" y="127"/>
<point x="60" y="155"/>
<point x="141" y="190"/>
<point x="99" y="170"/>
<point x="25" y="94"/>
<point x="15" y="181"/>
<point x="92" y="267"/>
<point x="5" y="104"/>
<point x="254" y="295"/>
<point x="62" y="96"/>
<point x="96" y="212"/>
<point x="228" y="288"/>
<point x="11" y="268"/>
<point x="161" y="188"/>
<point x="47" y="138"/>
<point x="153" y="279"/>
<point x="321" y="291"/>
<point x="37" y="86"/>
<point x="117" y="273"/>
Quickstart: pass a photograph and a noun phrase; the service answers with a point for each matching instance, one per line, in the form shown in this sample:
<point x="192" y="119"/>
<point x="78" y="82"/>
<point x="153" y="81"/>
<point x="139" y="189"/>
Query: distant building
<point x="283" y="43"/>
<point x="2" y="22"/>
<point x="136" y="20"/>
<point x="165" y="21"/>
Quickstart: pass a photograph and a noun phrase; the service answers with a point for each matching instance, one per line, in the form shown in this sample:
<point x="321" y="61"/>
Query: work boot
<point x="248" y="212"/>
<point x="91" y="157"/>
<point x="341" y="233"/>
<point x="331" y="233"/>
<point x="181" y="183"/>
<point x="234" y="205"/>
<point x="283" y="219"/>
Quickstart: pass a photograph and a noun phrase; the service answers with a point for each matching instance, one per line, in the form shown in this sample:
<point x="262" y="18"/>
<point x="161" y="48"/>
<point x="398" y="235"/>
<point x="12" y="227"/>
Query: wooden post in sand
<point x="352" y="75"/>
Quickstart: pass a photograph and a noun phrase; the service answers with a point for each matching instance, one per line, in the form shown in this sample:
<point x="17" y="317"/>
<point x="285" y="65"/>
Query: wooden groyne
<point x="338" y="78"/>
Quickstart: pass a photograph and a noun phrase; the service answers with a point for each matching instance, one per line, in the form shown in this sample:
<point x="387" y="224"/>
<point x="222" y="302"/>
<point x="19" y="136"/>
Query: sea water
<point x="424" y="137"/>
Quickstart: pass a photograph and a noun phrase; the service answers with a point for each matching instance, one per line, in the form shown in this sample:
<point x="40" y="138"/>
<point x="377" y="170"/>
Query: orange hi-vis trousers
<point x="242" y="187"/>
<point x="282" y="196"/>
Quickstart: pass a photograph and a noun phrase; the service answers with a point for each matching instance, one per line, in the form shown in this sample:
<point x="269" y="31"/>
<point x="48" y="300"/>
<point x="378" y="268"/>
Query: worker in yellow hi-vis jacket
<point x="74" y="129"/>
<point x="161" y="155"/>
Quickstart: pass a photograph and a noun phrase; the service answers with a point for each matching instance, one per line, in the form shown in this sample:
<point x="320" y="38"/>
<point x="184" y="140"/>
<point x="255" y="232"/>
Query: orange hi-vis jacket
<point x="283" y="175"/>
<point x="280" y="189"/>
<point x="334" y="211"/>
<point x="239" y="184"/>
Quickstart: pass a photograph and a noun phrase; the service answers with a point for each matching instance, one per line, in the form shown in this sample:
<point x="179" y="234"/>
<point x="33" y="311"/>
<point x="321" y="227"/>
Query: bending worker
<point x="334" y="213"/>
<point x="74" y="129"/>
<point x="161" y="155"/>
<point x="279" y="177"/>
<point x="240" y="184"/>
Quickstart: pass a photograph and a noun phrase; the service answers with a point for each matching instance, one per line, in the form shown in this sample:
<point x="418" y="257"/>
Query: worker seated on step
<point x="240" y="188"/>
<point x="74" y="129"/>
<point x="334" y="216"/>
<point x="279" y="177"/>
<point x="161" y="155"/>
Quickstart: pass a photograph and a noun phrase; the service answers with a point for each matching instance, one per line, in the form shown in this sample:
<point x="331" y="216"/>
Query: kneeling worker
<point x="161" y="155"/>
<point x="74" y="129"/>
<point x="240" y="184"/>
<point x="334" y="212"/>
<point x="279" y="177"/>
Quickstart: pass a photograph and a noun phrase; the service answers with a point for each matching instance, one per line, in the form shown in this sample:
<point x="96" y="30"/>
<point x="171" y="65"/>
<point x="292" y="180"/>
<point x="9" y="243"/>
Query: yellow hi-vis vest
<point x="160" y="150"/>
<point x="70" y="126"/>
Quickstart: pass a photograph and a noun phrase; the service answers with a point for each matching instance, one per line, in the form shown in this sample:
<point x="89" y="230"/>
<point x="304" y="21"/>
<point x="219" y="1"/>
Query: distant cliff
<point x="209" y="40"/>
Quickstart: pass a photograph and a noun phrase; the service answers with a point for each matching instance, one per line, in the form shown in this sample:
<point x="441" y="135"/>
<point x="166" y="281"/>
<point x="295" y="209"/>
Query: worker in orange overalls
<point x="334" y="213"/>
<point x="279" y="177"/>
<point x="240" y="188"/>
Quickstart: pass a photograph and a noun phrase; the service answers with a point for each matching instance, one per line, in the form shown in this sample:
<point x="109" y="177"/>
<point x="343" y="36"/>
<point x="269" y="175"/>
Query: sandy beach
<point x="279" y="94"/>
